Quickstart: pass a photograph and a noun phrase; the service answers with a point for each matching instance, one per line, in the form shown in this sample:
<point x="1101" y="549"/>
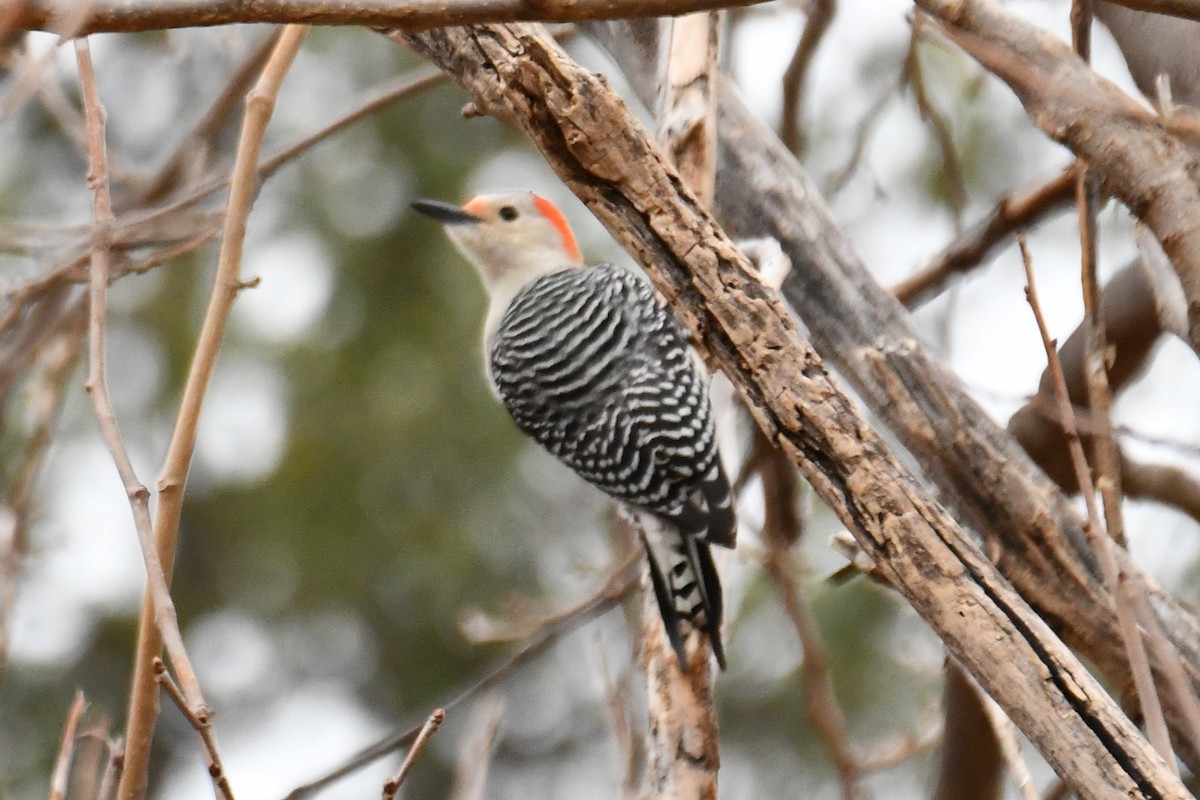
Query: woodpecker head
<point x="511" y="237"/>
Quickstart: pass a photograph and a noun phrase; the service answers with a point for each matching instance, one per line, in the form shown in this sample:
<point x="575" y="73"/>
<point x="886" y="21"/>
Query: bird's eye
<point x="509" y="213"/>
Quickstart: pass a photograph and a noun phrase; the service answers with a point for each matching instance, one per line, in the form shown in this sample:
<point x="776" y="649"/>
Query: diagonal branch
<point x="597" y="147"/>
<point x="1033" y="529"/>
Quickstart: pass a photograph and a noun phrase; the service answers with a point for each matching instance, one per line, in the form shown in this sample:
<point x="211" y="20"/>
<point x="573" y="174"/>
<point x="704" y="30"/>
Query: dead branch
<point x="517" y="73"/>
<point x="393" y="784"/>
<point x="1014" y="213"/>
<point x="143" y="708"/>
<point x="1134" y="157"/>
<point x="682" y="739"/>
<point x="132" y="16"/>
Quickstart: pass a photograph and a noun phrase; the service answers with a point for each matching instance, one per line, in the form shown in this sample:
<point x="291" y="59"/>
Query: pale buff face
<point x="513" y="238"/>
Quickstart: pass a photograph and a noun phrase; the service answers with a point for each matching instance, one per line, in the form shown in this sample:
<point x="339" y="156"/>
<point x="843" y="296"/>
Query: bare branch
<point x="66" y="750"/>
<point x="143" y="711"/>
<point x="1014" y="213"/>
<point x="1133" y="155"/>
<point x="393" y="784"/>
<point x="131" y="16"/>
<point x="589" y="137"/>
<point x="791" y="130"/>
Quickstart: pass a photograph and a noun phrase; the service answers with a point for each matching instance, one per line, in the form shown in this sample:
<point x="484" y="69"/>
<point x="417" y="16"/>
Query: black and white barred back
<point x="596" y="371"/>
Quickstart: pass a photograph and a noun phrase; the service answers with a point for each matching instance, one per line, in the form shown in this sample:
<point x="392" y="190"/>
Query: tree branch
<point x="1134" y="157"/>
<point x="260" y="102"/>
<point x="131" y="16"/>
<point x="1014" y="213"/>
<point x="596" y="146"/>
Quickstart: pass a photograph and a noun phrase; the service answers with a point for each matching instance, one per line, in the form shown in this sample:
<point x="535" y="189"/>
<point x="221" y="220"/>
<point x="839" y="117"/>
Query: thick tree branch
<point x="597" y="147"/>
<point x="1133" y="155"/>
<point x="1034" y="531"/>
<point x="131" y="16"/>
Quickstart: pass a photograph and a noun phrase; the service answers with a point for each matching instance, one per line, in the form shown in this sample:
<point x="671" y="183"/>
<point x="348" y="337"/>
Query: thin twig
<point x="618" y="585"/>
<point x="162" y="618"/>
<point x="210" y="124"/>
<point x="66" y="750"/>
<point x="900" y="747"/>
<point x="393" y="784"/>
<point x="260" y="104"/>
<point x="67" y="26"/>
<point x="862" y="138"/>
<point x="1101" y="544"/>
<point x="113" y="768"/>
<point x="1105" y="453"/>
<point x="202" y="726"/>
<point x="1014" y="213"/>
<point x="15" y="513"/>
<point x="1108" y="460"/>
<point x="1183" y="696"/>
<point x="915" y="75"/>
<point x="791" y="131"/>
<point x="129" y="231"/>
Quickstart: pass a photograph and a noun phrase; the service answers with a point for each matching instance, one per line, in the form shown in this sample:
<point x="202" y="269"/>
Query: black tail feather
<point x="666" y="607"/>
<point x="699" y="576"/>
<point x="711" y="596"/>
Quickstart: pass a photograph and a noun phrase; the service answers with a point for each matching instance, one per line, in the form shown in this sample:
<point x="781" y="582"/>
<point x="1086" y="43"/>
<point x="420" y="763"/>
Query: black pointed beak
<point x="445" y="213"/>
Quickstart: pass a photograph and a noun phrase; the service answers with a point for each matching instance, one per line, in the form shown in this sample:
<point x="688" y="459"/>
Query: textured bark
<point x="1030" y="527"/>
<point x="600" y="151"/>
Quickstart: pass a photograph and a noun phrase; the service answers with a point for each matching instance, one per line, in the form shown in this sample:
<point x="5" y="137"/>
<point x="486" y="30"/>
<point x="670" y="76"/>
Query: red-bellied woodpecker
<point x="591" y="366"/>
